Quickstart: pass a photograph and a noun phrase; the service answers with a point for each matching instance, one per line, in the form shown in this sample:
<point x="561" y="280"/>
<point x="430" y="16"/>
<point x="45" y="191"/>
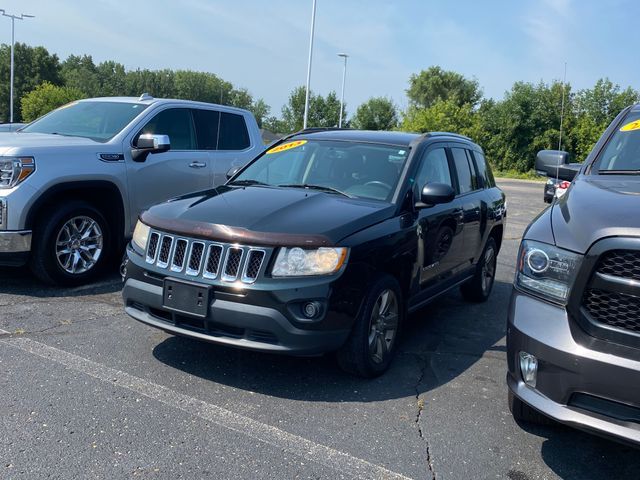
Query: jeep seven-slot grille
<point x="210" y="260"/>
<point x="612" y="296"/>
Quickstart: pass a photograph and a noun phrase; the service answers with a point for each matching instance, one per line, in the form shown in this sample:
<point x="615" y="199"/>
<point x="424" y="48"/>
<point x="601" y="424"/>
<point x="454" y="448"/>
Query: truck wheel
<point x="372" y="343"/>
<point x="478" y="288"/>
<point x="524" y="413"/>
<point x="71" y="244"/>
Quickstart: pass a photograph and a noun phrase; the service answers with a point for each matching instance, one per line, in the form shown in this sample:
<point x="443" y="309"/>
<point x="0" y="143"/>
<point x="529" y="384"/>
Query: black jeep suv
<point x="573" y="332"/>
<point x="323" y="242"/>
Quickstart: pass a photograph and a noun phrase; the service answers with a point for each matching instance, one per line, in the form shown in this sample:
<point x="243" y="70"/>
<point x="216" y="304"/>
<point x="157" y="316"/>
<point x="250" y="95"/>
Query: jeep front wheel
<point x="70" y="244"/>
<point x="372" y="343"/>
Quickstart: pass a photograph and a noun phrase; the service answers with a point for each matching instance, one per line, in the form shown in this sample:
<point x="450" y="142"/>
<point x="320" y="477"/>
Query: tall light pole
<point x="306" y="99"/>
<point x="13" y="18"/>
<point x="344" y="76"/>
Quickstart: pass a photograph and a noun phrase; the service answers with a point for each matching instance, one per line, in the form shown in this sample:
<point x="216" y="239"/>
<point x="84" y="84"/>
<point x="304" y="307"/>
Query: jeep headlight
<point x="546" y="271"/>
<point x="297" y="261"/>
<point x="13" y="170"/>
<point x="140" y="237"/>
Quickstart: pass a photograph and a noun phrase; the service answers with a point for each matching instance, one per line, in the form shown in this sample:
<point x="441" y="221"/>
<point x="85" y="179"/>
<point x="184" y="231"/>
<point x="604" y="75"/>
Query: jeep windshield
<point x="352" y="169"/>
<point x="99" y="121"/>
<point x="622" y="153"/>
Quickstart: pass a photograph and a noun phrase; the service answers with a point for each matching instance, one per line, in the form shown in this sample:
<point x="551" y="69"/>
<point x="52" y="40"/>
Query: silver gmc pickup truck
<point x="73" y="182"/>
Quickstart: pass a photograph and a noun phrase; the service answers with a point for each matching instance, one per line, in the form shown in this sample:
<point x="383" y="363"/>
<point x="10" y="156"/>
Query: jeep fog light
<point x="529" y="368"/>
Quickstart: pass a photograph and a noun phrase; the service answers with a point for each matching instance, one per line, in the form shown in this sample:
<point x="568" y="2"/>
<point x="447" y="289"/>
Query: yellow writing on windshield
<point x="630" y="127"/>
<point x="286" y="146"/>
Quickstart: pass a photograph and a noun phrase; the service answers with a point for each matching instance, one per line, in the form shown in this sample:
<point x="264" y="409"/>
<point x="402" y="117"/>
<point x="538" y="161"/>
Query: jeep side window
<point x="233" y="132"/>
<point x="467" y="180"/>
<point x="177" y="123"/>
<point x="433" y="169"/>
<point x="207" y="128"/>
<point x="485" y="170"/>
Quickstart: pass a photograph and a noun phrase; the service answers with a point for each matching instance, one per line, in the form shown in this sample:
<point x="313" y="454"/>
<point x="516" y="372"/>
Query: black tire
<point x="524" y="413"/>
<point x="359" y="355"/>
<point x="49" y="229"/>
<point x="478" y="288"/>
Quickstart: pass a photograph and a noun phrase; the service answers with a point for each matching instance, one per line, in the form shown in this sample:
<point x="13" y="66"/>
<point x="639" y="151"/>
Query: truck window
<point x="177" y="123"/>
<point x="233" y="132"/>
<point x="207" y="128"/>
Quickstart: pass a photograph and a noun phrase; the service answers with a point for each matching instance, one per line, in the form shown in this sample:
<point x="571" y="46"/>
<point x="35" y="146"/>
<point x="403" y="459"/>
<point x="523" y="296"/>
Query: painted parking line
<point x="321" y="454"/>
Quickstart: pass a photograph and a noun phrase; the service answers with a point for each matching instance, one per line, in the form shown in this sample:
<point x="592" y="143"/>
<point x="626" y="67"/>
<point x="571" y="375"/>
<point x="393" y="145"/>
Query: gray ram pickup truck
<point x="73" y="182"/>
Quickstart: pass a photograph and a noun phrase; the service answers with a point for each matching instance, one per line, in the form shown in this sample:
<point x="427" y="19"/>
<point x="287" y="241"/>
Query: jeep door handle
<point x="197" y="164"/>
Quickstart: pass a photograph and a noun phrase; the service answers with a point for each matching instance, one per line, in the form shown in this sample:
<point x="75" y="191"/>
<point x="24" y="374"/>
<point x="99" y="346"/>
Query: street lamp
<point x="344" y="76"/>
<point x="306" y="99"/>
<point x="13" y="18"/>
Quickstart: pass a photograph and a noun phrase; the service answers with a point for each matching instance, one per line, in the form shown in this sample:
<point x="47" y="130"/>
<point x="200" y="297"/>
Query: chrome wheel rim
<point x="488" y="270"/>
<point x="79" y="245"/>
<point x="383" y="326"/>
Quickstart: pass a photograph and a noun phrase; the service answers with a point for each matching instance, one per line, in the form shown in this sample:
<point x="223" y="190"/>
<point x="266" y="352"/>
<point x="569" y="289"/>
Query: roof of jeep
<point x="374" y="136"/>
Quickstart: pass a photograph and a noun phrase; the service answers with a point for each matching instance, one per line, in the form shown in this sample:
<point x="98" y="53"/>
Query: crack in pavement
<point x="23" y="333"/>
<point x="424" y="360"/>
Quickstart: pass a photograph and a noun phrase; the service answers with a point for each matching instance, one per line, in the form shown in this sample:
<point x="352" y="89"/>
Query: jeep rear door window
<point x="99" y="121"/>
<point x="433" y="169"/>
<point x="207" y="128"/>
<point x="233" y="132"/>
<point x="485" y="170"/>
<point x="466" y="177"/>
<point x="177" y="123"/>
<point x="622" y="153"/>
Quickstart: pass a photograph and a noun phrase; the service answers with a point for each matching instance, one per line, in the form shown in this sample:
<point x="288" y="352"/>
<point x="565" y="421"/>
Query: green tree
<point x="443" y="116"/>
<point x="260" y="110"/>
<point x="323" y="112"/>
<point x="32" y="66"/>
<point x="604" y="101"/>
<point x="377" y="113"/>
<point x="158" y="83"/>
<point x="527" y="120"/>
<point x="112" y="78"/>
<point x="434" y="84"/>
<point x="46" y="97"/>
<point x="81" y="73"/>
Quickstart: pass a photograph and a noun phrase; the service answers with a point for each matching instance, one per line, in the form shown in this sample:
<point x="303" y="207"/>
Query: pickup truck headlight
<point x="140" y="237"/>
<point x="546" y="271"/>
<point x="13" y="170"/>
<point x="294" y="262"/>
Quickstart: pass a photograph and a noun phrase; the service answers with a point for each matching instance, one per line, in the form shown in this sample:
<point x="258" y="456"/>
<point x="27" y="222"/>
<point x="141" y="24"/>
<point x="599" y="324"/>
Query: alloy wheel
<point x="79" y="245"/>
<point x="383" y="326"/>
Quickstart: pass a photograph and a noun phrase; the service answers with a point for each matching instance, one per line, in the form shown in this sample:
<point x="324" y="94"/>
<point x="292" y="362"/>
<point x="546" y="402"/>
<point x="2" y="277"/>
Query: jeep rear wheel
<point x="478" y="288"/>
<point x="371" y="346"/>
<point x="71" y="244"/>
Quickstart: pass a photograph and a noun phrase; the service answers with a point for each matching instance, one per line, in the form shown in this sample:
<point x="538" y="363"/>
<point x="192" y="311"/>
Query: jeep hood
<point x="595" y="207"/>
<point x="268" y="215"/>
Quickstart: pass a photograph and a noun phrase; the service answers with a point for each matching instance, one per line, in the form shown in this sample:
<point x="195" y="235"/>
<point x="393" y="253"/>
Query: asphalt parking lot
<point x="86" y="392"/>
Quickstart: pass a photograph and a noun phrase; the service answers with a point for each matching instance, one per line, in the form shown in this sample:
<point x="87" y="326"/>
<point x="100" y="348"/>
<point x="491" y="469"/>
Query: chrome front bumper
<point x="15" y="242"/>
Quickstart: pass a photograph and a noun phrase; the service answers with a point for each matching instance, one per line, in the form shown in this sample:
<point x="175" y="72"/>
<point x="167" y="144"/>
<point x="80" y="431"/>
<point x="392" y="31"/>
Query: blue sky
<point x="263" y="45"/>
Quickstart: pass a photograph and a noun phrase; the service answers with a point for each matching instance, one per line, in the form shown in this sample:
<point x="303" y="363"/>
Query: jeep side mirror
<point x="232" y="171"/>
<point x="548" y="161"/>
<point x="149" y="143"/>
<point x="435" y="194"/>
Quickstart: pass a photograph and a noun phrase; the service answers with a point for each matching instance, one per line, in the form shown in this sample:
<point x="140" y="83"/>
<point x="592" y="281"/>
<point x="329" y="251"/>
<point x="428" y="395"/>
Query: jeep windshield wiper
<point x="619" y="172"/>
<point x="247" y="182"/>
<point x="322" y="188"/>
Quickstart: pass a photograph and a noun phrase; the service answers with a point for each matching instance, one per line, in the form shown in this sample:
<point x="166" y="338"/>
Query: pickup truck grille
<point x="612" y="297"/>
<point x="209" y="260"/>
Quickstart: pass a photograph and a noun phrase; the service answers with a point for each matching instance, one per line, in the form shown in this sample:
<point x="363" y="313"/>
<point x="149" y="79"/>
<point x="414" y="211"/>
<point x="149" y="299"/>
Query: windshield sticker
<point x="630" y="127"/>
<point x="287" y="146"/>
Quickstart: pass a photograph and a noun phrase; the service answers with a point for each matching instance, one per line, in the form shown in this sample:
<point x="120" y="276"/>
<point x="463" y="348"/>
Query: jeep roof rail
<point x="448" y="134"/>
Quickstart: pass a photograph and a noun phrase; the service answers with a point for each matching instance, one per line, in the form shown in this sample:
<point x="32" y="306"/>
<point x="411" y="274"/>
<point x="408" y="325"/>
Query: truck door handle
<point x="197" y="164"/>
<point x="458" y="213"/>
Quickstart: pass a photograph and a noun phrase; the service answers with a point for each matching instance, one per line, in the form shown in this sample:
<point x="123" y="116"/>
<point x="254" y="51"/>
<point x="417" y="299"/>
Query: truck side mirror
<point x="149" y="143"/>
<point x="548" y="161"/>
